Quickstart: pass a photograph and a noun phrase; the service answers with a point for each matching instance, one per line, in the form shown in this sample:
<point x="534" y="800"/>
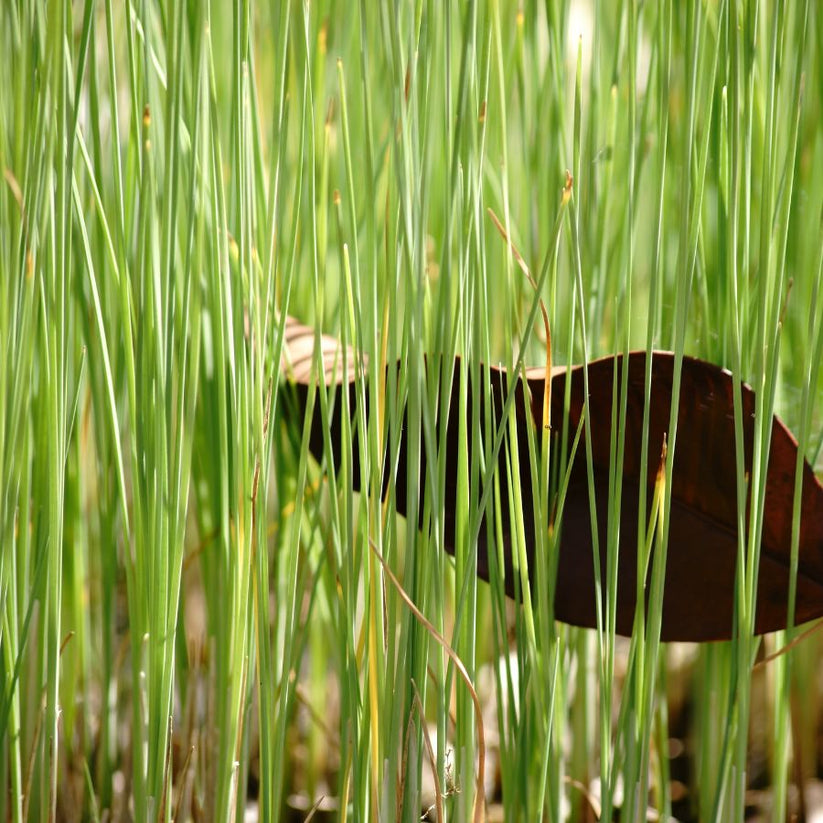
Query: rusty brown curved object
<point x="702" y="550"/>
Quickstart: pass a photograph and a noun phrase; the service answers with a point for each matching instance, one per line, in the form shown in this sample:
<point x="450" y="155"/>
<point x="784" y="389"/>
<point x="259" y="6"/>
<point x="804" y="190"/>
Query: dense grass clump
<point x="197" y="619"/>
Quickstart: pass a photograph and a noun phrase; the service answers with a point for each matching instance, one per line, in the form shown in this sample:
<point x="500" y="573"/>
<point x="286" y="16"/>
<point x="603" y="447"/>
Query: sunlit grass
<point x="196" y="618"/>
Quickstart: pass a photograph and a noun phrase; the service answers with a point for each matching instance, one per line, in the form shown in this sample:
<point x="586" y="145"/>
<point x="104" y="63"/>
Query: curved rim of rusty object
<point x="703" y="545"/>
